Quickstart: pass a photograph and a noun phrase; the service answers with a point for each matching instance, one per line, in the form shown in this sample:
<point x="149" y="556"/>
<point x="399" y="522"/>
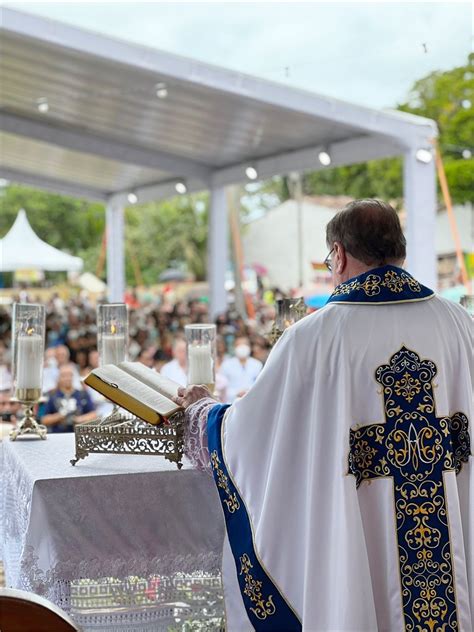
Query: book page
<point x="151" y="378"/>
<point x="134" y="388"/>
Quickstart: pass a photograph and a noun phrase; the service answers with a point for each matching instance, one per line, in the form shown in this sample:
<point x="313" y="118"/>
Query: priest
<point x="346" y="474"/>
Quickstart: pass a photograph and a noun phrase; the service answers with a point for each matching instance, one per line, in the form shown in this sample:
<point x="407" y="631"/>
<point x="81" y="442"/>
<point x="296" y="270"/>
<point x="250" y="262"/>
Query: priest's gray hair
<point x="370" y="231"/>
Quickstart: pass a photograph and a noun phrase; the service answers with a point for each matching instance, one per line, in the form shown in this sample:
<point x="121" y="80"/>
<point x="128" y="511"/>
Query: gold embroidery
<point x="363" y="454"/>
<point x="232" y="502"/>
<point x="373" y="284"/>
<point x="408" y="386"/>
<point x="253" y="589"/>
<point x="415" y="448"/>
<point x="393" y="282"/>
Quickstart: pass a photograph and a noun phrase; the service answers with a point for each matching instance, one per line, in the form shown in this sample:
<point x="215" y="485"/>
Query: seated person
<point x="8" y="409"/>
<point x="240" y="371"/>
<point x="177" y="368"/>
<point x="67" y="406"/>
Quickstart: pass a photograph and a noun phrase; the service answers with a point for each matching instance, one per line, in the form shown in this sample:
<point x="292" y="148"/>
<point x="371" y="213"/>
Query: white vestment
<point x="331" y="548"/>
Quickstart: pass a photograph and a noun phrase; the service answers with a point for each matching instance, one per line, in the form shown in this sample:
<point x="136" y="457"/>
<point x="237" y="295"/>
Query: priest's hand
<point x="191" y="395"/>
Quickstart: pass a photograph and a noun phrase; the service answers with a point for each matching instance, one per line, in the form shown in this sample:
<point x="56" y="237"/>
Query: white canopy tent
<point x="99" y="118"/>
<point x="22" y="249"/>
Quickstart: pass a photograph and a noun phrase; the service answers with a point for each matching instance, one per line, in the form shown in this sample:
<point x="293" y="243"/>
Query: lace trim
<point x="195" y="439"/>
<point x="55" y="583"/>
<point x="15" y="496"/>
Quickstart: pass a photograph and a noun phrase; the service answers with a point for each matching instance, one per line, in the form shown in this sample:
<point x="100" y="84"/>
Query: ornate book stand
<point x="120" y="434"/>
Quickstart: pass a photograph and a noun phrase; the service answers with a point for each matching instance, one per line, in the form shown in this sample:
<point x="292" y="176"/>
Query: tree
<point x="448" y="98"/>
<point x="66" y="223"/>
<point x="169" y="233"/>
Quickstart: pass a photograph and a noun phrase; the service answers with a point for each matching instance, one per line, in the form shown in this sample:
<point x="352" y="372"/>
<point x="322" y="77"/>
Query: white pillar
<point x="115" y="250"/>
<point x="419" y="181"/>
<point x="217" y="252"/>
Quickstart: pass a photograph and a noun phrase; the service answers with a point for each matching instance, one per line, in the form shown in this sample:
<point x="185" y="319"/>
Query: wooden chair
<point x="22" y="611"/>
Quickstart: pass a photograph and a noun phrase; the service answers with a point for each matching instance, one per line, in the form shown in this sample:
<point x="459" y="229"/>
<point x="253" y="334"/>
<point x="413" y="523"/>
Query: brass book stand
<point x="120" y="434"/>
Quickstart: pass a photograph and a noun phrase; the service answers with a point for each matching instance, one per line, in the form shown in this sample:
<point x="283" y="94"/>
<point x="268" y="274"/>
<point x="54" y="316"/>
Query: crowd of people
<point x="156" y="328"/>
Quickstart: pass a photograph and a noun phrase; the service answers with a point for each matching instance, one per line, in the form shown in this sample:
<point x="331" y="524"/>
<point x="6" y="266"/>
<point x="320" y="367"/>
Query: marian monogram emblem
<point x="415" y="448"/>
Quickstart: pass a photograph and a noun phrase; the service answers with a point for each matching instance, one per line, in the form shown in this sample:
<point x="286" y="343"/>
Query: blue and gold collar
<point x="387" y="284"/>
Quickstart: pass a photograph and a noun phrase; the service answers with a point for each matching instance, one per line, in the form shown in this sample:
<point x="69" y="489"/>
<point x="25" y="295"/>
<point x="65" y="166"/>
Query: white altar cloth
<point x="110" y="516"/>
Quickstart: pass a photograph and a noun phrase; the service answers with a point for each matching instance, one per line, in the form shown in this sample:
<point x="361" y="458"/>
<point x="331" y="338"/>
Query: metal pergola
<point x="98" y="118"/>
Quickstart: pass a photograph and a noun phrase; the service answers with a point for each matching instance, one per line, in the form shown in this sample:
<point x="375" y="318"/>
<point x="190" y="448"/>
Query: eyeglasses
<point x="327" y="261"/>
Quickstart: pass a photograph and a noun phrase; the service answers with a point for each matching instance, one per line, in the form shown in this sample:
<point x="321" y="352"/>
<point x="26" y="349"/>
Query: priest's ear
<point x="339" y="259"/>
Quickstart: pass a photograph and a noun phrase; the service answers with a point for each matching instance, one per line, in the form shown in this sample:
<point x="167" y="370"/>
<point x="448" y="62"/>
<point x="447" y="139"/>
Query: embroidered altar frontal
<point x="415" y="448"/>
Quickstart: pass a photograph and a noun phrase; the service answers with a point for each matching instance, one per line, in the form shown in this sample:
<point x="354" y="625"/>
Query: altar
<point x="120" y="542"/>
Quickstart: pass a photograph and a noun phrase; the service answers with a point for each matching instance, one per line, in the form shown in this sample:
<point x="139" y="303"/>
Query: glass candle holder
<point x="112" y="333"/>
<point x="28" y="332"/>
<point x="289" y="311"/>
<point x="201" y="354"/>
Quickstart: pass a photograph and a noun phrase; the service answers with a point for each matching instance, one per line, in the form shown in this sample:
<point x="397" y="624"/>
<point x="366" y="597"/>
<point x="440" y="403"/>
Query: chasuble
<point x="346" y="474"/>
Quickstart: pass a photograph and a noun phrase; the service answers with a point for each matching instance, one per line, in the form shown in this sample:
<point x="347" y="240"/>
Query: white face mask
<point x="242" y="351"/>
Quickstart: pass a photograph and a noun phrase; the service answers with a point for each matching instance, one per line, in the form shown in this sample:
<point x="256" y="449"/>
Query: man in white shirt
<point x="177" y="368"/>
<point x="240" y="371"/>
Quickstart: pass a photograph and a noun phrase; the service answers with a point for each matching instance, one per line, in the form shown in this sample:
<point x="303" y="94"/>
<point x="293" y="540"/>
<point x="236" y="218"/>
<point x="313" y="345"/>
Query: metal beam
<point x="52" y="184"/>
<point x="89" y="143"/>
<point x="163" y="190"/>
<point x="163" y="65"/>
<point x="342" y="153"/>
<point x="217" y="254"/>
<point x="115" y="227"/>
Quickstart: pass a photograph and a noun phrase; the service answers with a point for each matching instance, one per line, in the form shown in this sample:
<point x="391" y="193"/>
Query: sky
<point x="366" y="52"/>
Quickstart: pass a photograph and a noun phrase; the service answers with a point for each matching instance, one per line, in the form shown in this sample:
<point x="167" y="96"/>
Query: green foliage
<point x="158" y="235"/>
<point x="172" y="233"/>
<point x="66" y="223"/>
<point x="438" y="96"/>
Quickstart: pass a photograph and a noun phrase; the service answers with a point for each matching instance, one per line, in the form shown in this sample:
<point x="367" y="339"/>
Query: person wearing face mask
<point x="240" y="371"/>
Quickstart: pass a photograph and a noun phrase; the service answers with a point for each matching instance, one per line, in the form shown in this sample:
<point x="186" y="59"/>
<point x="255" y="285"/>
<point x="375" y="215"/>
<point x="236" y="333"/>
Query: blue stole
<point x="387" y="284"/>
<point x="266" y="607"/>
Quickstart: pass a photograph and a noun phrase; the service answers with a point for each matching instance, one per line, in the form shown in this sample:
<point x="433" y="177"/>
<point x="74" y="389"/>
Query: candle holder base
<point x="274" y="335"/>
<point x="28" y="425"/>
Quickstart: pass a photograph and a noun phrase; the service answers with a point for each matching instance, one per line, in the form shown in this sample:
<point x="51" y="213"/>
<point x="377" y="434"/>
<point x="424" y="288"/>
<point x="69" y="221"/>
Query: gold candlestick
<point x="288" y="312"/>
<point x="28" y="397"/>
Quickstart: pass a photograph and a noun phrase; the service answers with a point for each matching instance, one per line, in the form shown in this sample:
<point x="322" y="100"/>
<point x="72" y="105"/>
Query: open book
<point x="138" y="389"/>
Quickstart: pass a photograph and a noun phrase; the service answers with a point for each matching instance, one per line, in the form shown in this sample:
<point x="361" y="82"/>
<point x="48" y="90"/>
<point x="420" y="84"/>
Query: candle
<point x="200" y="370"/>
<point x="113" y="348"/>
<point x="29" y="361"/>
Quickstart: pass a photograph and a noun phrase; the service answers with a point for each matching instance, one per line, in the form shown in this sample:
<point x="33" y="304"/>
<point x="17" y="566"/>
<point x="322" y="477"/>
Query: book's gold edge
<point x="124" y="400"/>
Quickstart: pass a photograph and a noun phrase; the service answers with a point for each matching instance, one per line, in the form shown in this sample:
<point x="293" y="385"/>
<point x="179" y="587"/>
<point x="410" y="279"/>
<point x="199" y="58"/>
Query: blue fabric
<point x="387" y="284"/>
<point x="266" y="608"/>
<point x="414" y="447"/>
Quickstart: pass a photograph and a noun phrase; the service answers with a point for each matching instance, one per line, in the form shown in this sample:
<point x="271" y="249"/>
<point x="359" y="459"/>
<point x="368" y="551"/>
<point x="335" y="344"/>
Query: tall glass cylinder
<point x="28" y="333"/>
<point x="201" y="354"/>
<point x="112" y="333"/>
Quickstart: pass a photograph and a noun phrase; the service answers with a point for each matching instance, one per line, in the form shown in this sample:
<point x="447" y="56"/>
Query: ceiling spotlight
<point x="424" y="155"/>
<point x="132" y="197"/>
<point x="161" y="90"/>
<point x="251" y="173"/>
<point x="466" y="154"/>
<point x="324" y="158"/>
<point x="181" y="188"/>
<point x="42" y="104"/>
<point x="466" y="104"/>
